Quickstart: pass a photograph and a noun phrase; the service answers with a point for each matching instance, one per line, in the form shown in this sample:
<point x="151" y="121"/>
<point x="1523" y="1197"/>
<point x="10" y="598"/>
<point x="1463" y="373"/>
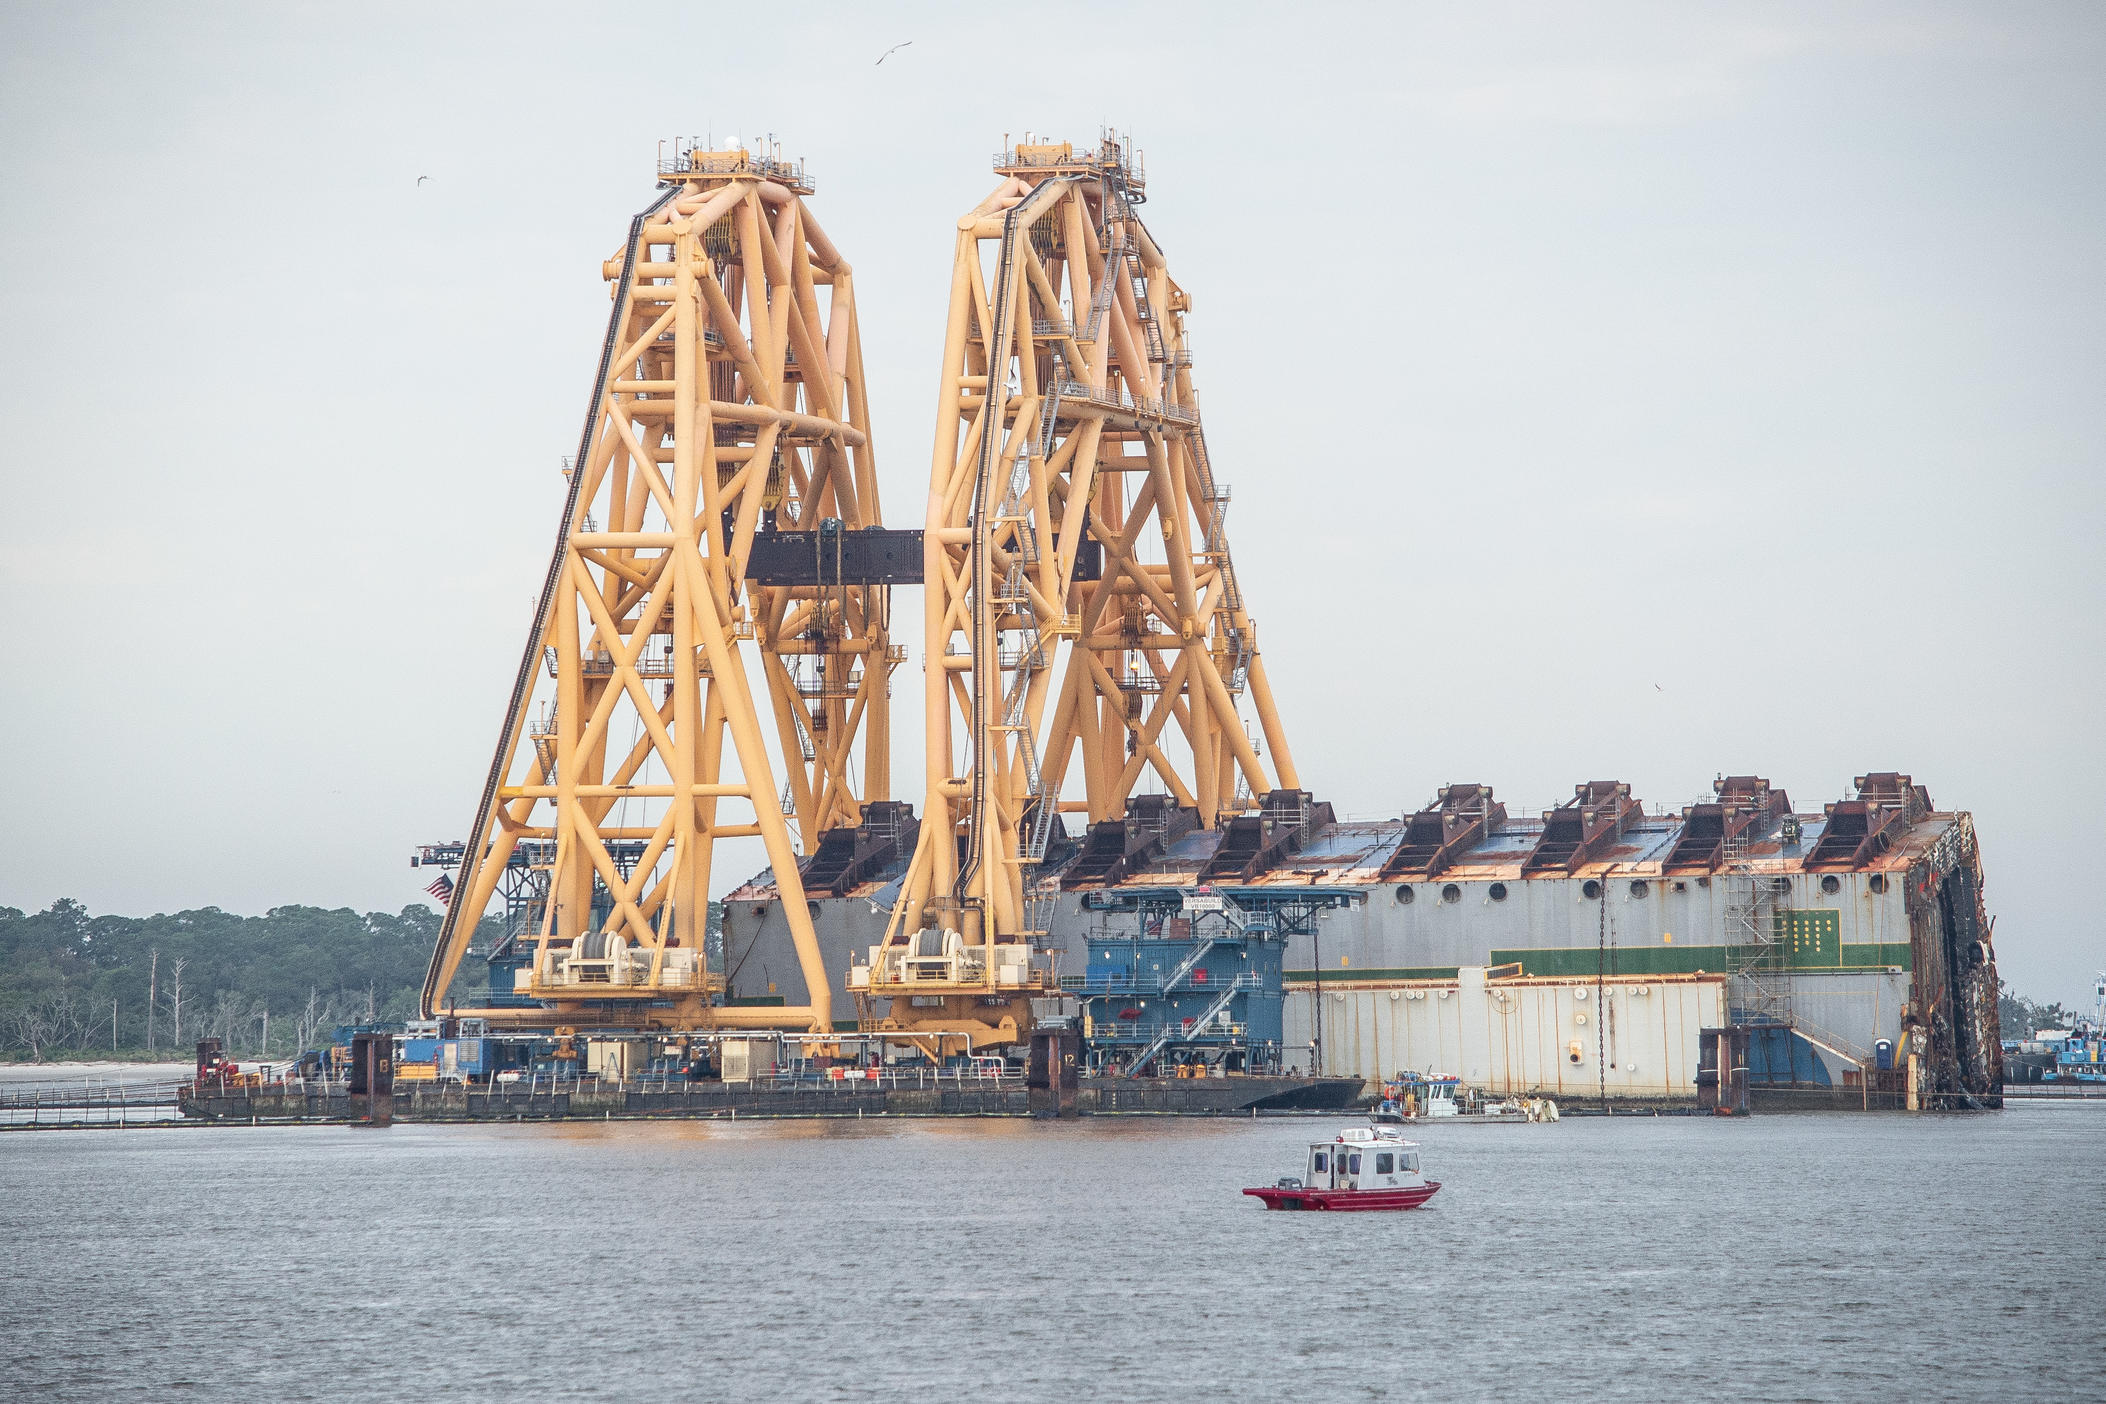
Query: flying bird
<point x="422" y="179"/>
<point x="891" y="51"/>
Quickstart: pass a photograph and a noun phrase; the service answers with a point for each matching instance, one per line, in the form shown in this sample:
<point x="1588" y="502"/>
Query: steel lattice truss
<point x="1068" y="447"/>
<point x="730" y="401"/>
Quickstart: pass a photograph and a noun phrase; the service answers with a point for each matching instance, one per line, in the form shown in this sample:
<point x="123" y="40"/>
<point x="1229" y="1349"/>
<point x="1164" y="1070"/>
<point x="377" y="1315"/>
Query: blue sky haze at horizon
<point x="1642" y="391"/>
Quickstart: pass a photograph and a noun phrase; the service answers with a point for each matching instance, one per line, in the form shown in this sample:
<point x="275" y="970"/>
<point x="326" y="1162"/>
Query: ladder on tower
<point x="1014" y="596"/>
<point x="1151" y="325"/>
<point x="1216" y="497"/>
<point x="1116" y="248"/>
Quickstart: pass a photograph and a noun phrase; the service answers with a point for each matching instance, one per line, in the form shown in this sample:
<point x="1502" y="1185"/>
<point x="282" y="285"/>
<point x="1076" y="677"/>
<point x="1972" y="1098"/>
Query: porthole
<point x="1780" y="884"/>
<point x="1877" y="882"/>
<point x="1639" y="887"/>
<point x="1451" y="893"/>
<point x="1405" y="895"/>
<point x="1831" y="885"/>
<point x="1497" y="892"/>
<point x="1681" y="887"/>
<point x="1590" y="889"/>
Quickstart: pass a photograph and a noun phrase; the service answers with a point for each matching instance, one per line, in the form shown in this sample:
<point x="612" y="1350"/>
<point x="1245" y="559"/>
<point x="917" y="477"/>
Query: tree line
<point x="2022" y="1017"/>
<point x="76" y="985"/>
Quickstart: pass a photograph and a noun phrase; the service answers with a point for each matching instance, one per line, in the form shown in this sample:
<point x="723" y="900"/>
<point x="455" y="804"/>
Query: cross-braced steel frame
<point x="730" y="401"/>
<point x="1072" y="510"/>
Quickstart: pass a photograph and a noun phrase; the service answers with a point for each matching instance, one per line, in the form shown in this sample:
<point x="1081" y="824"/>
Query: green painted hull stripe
<point x="1555" y="962"/>
<point x="1406" y="972"/>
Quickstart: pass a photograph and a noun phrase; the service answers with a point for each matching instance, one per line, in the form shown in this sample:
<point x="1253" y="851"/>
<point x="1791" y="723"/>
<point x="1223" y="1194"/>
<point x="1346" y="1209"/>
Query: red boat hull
<point x="1346" y="1199"/>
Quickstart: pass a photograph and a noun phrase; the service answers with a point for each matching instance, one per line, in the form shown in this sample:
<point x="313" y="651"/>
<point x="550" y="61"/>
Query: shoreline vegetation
<point x="76" y="987"/>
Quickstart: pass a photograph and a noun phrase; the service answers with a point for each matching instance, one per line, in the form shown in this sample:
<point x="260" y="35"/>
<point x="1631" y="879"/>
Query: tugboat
<point x="1361" y="1168"/>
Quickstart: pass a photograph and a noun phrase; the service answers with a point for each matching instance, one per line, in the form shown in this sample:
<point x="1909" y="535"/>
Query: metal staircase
<point x="1115" y="250"/>
<point x="1200" y="946"/>
<point x="1758" y="980"/>
<point x="1151" y="325"/>
<point x="1832" y="1041"/>
<point x="1185" y="1033"/>
<point x="1758" y="964"/>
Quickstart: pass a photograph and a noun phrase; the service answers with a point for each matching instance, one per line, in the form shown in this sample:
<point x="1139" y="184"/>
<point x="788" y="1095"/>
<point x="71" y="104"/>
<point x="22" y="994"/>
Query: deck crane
<point x="722" y="512"/>
<point x="1072" y="510"/>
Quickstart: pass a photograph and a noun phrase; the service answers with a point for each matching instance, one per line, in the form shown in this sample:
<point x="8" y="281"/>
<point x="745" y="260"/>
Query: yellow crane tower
<point x="719" y="509"/>
<point x="1072" y="509"/>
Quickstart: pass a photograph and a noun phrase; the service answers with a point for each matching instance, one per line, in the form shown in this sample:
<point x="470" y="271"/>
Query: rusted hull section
<point x="1860" y="980"/>
<point x="1461" y="817"/>
<point x="1578" y="831"/>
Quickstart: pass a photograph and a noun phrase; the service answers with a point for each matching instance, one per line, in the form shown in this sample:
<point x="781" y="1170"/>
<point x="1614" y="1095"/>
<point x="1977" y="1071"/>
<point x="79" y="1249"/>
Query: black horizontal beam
<point x="833" y="555"/>
<point x="872" y="556"/>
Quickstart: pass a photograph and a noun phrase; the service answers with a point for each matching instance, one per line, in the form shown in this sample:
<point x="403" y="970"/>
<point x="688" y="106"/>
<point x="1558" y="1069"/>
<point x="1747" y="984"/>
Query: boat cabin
<point x="1363" y="1159"/>
<point x="1418" y="1094"/>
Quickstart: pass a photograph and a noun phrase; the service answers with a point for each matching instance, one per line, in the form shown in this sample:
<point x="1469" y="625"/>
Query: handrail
<point x="1835" y="1043"/>
<point x="1129" y="403"/>
<point x="701" y="161"/>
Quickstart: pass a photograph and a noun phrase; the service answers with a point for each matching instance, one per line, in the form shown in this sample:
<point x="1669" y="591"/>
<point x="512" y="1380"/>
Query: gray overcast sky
<point x="1636" y="391"/>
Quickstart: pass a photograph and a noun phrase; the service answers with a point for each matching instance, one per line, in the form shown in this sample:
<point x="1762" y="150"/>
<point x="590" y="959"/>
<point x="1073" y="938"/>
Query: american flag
<point x="442" y="889"/>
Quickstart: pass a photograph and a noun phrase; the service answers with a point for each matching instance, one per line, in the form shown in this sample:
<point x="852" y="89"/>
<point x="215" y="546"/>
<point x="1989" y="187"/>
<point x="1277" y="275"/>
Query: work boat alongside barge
<point x="1361" y="1168"/>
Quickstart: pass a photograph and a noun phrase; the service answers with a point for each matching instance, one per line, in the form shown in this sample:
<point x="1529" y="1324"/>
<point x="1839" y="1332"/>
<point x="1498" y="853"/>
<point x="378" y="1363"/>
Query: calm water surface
<point x="1782" y="1257"/>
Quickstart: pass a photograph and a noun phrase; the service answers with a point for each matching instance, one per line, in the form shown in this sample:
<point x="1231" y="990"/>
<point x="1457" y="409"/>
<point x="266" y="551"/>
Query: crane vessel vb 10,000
<point x="1081" y="610"/>
<point x="1079" y="594"/>
<point x="723" y="505"/>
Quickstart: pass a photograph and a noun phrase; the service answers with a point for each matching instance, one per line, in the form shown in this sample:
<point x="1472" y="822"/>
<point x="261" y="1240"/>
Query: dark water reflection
<point x="1810" y="1257"/>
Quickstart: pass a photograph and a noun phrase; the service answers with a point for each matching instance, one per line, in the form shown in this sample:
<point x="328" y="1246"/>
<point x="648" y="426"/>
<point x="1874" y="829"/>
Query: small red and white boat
<point x="1361" y="1168"/>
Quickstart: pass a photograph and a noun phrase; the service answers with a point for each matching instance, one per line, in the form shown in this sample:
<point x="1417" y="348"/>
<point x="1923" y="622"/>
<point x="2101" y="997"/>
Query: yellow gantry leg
<point x="729" y="404"/>
<point x="1072" y="508"/>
